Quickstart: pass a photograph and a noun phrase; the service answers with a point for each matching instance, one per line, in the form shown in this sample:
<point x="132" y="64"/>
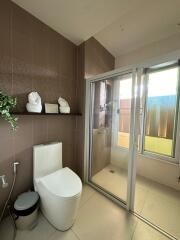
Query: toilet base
<point x="59" y="229"/>
<point x="60" y="212"/>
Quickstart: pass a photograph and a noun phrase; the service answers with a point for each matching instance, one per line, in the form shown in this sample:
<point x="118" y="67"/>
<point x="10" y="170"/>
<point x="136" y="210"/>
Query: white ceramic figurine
<point x="34" y="104"/>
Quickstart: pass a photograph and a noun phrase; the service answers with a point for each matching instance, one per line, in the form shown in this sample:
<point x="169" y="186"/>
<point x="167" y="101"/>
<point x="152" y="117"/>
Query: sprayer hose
<point x="9" y="196"/>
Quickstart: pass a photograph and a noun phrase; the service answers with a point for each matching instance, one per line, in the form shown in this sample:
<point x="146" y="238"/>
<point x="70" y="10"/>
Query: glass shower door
<point x="111" y="101"/>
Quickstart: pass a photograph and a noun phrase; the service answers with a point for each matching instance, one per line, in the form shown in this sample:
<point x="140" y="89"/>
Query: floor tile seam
<point x="134" y="227"/>
<point x="75" y="234"/>
<point x="87" y="200"/>
<point x="146" y="197"/>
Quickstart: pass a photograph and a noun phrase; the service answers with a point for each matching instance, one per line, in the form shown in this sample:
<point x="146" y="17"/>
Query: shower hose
<point x="9" y="209"/>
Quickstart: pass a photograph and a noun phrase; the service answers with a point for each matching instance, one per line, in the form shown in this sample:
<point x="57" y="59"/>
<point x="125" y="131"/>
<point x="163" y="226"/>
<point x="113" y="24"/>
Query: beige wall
<point x="156" y="170"/>
<point x="159" y="171"/>
<point x="156" y="49"/>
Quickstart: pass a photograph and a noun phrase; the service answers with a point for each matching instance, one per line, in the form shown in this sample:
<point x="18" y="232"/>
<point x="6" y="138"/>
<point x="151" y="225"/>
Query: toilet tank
<point x="47" y="158"/>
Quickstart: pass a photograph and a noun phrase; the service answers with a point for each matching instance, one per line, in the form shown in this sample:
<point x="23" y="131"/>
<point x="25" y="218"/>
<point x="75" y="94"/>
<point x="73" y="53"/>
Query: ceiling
<point x="150" y="21"/>
<point x="119" y="25"/>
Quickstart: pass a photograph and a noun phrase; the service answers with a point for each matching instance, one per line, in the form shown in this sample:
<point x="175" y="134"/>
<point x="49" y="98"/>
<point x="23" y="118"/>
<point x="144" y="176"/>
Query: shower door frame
<point x="136" y="69"/>
<point x="132" y="146"/>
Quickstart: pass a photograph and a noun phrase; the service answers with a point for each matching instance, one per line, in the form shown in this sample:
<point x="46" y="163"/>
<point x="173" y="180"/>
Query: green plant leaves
<point x="7" y="103"/>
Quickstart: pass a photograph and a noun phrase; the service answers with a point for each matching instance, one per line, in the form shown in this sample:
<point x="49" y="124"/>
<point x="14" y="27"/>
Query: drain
<point x="111" y="171"/>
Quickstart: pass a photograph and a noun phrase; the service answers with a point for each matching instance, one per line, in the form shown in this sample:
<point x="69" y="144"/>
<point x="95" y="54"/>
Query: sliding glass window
<point x="161" y="108"/>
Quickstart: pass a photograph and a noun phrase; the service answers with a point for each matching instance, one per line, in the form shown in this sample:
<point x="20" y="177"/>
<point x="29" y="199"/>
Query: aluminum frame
<point x="129" y="206"/>
<point x="88" y="137"/>
<point x="175" y="158"/>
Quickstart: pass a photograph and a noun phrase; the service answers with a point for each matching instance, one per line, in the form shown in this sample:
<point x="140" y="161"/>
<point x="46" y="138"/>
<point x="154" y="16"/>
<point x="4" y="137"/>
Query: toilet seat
<point x="62" y="183"/>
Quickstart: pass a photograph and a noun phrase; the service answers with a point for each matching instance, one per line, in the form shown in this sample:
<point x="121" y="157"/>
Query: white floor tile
<point x="164" y="213"/>
<point x="156" y="202"/>
<point x="115" y="183"/>
<point x="42" y="231"/>
<point x="6" y="229"/>
<point x="145" y="232"/>
<point x="100" y="218"/>
<point x="87" y="193"/>
<point x="67" y="235"/>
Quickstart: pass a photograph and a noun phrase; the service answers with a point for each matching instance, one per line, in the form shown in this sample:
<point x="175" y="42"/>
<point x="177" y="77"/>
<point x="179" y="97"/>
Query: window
<point x="161" y="109"/>
<point x="158" y="110"/>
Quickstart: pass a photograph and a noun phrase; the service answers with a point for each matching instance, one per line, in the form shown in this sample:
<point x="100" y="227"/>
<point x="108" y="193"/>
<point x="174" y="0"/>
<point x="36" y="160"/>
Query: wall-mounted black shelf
<point x="46" y="114"/>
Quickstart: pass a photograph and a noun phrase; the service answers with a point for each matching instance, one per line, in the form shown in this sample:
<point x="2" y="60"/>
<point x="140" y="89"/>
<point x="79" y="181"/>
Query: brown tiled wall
<point x="97" y="59"/>
<point x="92" y="59"/>
<point x="34" y="58"/>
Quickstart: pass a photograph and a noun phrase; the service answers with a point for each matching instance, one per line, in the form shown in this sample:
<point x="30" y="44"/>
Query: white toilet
<point x="59" y="188"/>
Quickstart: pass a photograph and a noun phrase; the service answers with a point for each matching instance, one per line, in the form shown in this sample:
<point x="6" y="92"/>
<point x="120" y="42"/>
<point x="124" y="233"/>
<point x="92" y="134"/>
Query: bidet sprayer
<point x="15" y="164"/>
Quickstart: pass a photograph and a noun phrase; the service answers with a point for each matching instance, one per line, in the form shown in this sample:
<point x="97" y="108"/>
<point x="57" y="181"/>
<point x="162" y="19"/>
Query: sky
<point x="162" y="83"/>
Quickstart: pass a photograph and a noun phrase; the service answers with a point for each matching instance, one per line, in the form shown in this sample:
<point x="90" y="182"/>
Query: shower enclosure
<point x="132" y="140"/>
<point x="110" y="128"/>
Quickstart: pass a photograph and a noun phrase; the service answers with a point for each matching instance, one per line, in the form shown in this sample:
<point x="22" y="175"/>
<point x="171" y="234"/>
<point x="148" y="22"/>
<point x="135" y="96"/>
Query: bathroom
<point x="62" y="54"/>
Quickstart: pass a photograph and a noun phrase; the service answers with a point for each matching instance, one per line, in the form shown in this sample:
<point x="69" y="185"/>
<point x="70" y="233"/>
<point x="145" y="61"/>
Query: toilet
<point x="59" y="188"/>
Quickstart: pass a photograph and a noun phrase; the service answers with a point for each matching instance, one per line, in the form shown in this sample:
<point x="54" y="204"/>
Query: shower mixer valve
<point x="4" y="182"/>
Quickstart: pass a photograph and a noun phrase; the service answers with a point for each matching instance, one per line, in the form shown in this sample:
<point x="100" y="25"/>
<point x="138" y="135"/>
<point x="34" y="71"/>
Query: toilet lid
<point x="64" y="183"/>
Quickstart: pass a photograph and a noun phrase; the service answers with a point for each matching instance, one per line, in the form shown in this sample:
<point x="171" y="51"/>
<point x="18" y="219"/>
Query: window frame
<point x="176" y="139"/>
<point x="142" y="151"/>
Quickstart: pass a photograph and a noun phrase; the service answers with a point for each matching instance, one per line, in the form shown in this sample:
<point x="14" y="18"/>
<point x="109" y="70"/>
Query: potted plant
<point x="7" y="103"/>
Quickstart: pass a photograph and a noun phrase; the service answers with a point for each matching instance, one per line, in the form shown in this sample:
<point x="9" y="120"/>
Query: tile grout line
<point x="87" y="200"/>
<point x="134" y="229"/>
<point x="145" y="201"/>
<point x="75" y="234"/>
